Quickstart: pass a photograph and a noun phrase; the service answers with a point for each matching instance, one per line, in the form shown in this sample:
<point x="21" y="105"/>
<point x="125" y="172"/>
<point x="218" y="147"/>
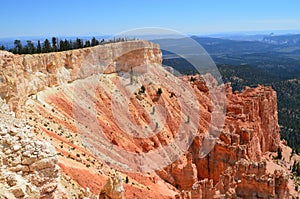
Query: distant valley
<point x="269" y="60"/>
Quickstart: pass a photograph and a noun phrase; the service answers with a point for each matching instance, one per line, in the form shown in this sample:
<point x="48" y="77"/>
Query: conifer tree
<point x="30" y="48"/>
<point x="46" y="46"/>
<point x="38" y="47"/>
<point x="54" y="44"/>
<point x="87" y="43"/>
<point x="18" y="47"/>
<point x="94" y="42"/>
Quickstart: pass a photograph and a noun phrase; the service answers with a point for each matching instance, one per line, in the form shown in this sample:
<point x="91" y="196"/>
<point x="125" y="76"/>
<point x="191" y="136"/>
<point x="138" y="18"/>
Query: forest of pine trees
<point x="57" y="45"/>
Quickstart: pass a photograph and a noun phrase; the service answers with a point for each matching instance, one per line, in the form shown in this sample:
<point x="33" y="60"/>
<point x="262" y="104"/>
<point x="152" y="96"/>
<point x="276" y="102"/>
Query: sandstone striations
<point x="67" y="97"/>
<point x="236" y="165"/>
<point x="24" y="75"/>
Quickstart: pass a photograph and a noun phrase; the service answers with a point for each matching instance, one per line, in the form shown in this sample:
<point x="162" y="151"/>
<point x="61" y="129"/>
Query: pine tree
<point x="131" y="76"/>
<point x="94" y="42"/>
<point x="87" y="43"/>
<point x="62" y="46"/>
<point x="46" y="46"/>
<point x="78" y="43"/>
<point x="67" y="45"/>
<point x="279" y="153"/>
<point x="70" y="45"/>
<point x="18" y="47"/>
<point x="54" y="44"/>
<point x="30" y="47"/>
<point x="38" y="47"/>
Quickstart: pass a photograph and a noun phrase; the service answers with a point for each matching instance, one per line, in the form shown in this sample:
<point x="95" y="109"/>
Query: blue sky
<point x="96" y="17"/>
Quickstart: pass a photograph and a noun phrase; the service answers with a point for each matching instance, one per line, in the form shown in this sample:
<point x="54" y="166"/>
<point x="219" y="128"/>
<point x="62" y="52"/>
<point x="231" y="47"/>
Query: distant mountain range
<point x="280" y="55"/>
<point x="286" y="40"/>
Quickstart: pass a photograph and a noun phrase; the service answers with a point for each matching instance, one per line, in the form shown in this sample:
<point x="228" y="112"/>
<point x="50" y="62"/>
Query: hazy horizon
<point x="211" y="34"/>
<point x="75" y="18"/>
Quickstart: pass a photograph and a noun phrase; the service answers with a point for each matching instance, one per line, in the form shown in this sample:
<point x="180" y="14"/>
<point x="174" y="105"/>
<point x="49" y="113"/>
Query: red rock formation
<point x="235" y="166"/>
<point x="24" y="75"/>
<point x="76" y="103"/>
<point x="251" y="129"/>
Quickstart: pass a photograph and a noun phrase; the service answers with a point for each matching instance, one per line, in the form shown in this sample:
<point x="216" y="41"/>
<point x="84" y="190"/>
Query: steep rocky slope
<point x="28" y="166"/>
<point x="25" y="75"/>
<point x="69" y="97"/>
<point x="237" y="166"/>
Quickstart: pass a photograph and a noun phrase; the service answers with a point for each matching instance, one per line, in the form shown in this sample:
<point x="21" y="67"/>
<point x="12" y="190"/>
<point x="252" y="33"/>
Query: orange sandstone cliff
<point x="65" y="97"/>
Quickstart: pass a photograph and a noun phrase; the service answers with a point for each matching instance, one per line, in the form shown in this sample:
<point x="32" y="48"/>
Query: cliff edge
<point x="65" y="97"/>
<point x="24" y="75"/>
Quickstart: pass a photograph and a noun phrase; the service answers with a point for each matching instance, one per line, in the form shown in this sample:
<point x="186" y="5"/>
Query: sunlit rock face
<point x="70" y="98"/>
<point x="28" y="166"/>
<point x="24" y="75"/>
<point x="236" y="164"/>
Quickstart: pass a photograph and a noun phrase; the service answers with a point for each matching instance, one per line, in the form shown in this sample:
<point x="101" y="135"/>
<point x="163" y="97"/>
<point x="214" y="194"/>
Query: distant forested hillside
<point x="274" y="61"/>
<point x="288" y="94"/>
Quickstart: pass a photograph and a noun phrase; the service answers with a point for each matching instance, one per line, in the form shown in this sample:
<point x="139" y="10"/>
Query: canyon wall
<point x="236" y="165"/>
<point x="41" y="88"/>
<point x="24" y="75"/>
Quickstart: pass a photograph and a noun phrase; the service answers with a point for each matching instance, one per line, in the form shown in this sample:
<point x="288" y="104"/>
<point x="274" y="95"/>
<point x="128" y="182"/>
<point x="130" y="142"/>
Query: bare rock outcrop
<point x="24" y="75"/>
<point x="113" y="189"/>
<point x="236" y="167"/>
<point x="28" y="167"/>
<point x="251" y="129"/>
<point x="244" y="180"/>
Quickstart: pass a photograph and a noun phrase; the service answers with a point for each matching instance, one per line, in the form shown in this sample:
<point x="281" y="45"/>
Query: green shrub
<point x="159" y="91"/>
<point x="279" y="153"/>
